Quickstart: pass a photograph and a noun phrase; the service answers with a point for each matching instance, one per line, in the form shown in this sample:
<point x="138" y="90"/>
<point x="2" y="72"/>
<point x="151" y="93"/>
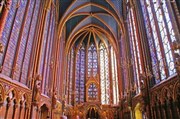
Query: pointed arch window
<point x="13" y="36"/>
<point x="135" y="49"/>
<point x="114" y="77"/>
<point x="104" y="75"/>
<point x="80" y="75"/>
<point x="88" y="86"/>
<point x="70" y="76"/>
<point x="160" y="34"/>
<point x="18" y="37"/>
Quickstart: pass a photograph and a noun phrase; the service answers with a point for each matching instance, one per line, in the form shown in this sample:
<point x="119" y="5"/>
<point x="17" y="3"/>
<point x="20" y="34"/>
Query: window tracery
<point x="17" y="38"/>
<point x="104" y="75"/>
<point x="89" y="59"/>
<point x="92" y="92"/>
<point x="135" y="48"/>
<point x="114" y="78"/>
<point x="80" y="75"/>
<point x="92" y="60"/>
<point x="160" y="35"/>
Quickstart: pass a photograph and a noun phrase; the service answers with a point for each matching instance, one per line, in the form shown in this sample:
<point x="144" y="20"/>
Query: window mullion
<point x="116" y="77"/>
<point x="138" y="48"/>
<point x="69" y="77"/>
<point x="136" y="53"/>
<point x="104" y="76"/>
<point x="91" y="63"/>
<point x="114" y="61"/>
<point x="79" y="77"/>
<point x="132" y="44"/>
<point x="137" y="38"/>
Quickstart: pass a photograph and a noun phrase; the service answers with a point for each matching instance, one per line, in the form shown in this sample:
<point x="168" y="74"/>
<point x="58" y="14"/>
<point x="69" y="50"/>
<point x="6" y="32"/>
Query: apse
<point x="91" y="69"/>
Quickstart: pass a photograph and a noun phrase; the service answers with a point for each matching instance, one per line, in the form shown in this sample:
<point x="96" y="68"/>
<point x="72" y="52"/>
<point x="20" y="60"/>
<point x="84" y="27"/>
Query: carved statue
<point x="177" y="62"/>
<point x="37" y="88"/>
<point x="63" y="105"/>
<point x="142" y="80"/>
<point x="2" y="2"/>
<point x="143" y="88"/>
<point x="176" y="46"/>
<point x="54" y="100"/>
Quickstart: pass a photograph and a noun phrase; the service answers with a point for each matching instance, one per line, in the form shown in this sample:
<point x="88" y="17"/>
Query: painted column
<point x="4" y="9"/>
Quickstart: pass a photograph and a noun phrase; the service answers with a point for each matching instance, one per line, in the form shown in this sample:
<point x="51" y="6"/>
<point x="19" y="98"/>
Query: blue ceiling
<point x="85" y="12"/>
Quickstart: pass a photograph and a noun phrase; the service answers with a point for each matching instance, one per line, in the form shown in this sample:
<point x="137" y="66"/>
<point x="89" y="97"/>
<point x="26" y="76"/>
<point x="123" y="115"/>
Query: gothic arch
<point x="166" y="94"/>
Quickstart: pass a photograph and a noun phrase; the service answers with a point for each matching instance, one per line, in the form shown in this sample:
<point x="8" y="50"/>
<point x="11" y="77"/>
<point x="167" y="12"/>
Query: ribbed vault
<point x="83" y="19"/>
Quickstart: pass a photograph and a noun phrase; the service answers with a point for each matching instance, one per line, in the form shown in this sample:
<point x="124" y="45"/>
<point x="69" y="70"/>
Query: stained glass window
<point x="92" y="92"/>
<point x="70" y="76"/>
<point x="23" y="43"/>
<point x="160" y="34"/>
<point x="80" y="75"/>
<point x="44" y="50"/>
<point x="92" y="60"/>
<point x="45" y="40"/>
<point x="47" y="59"/>
<point x="103" y="81"/>
<point x="114" y="77"/>
<point x="12" y="38"/>
<point x="135" y="49"/>
<point x="8" y="26"/>
<point x="104" y="75"/>
<point x="67" y="76"/>
<point x="26" y="60"/>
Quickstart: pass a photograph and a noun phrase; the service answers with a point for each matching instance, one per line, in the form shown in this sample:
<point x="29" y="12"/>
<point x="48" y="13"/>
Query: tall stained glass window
<point x="87" y="73"/>
<point x="46" y="60"/>
<point x="9" y="24"/>
<point x="18" y="37"/>
<point x="92" y="61"/>
<point x="12" y="37"/>
<point x="69" y="80"/>
<point x="160" y="34"/>
<point x="104" y="75"/>
<point x="114" y="77"/>
<point x="135" y="48"/>
<point x="23" y="42"/>
<point x="29" y="42"/>
<point x="80" y="75"/>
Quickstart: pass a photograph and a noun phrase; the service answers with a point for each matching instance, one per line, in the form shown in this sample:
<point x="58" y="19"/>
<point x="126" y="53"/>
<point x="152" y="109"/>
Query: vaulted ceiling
<point x="85" y="20"/>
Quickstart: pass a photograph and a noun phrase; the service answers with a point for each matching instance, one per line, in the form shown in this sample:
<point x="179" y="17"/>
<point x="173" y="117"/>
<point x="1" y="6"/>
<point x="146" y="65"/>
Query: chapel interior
<point x="89" y="59"/>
